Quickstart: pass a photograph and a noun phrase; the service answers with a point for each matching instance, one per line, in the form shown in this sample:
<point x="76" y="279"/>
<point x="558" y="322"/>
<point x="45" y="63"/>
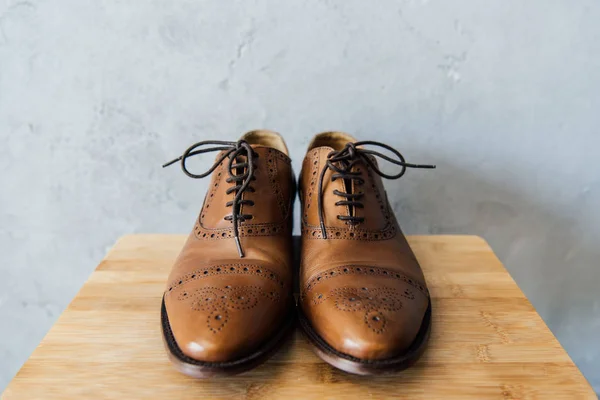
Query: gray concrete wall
<point x="503" y="95"/>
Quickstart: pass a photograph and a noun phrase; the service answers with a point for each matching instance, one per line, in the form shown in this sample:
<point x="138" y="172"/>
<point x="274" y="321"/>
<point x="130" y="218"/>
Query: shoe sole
<point x="358" y="366"/>
<point x="204" y="369"/>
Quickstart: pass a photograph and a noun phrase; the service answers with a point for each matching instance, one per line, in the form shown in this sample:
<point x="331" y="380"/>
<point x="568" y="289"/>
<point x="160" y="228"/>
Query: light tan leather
<point x="362" y="289"/>
<point x="222" y="307"/>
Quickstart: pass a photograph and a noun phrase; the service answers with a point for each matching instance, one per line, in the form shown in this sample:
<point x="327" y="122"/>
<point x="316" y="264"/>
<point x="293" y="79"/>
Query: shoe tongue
<point x="259" y="146"/>
<point x="265" y="139"/>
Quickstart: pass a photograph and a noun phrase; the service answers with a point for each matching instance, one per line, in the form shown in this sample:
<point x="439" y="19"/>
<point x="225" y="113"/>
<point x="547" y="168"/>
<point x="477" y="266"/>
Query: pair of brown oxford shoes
<point x="228" y="304"/>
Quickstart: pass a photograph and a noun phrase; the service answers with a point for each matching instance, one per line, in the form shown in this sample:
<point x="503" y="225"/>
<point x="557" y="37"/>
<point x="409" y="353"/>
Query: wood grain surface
<point x="487" y="339"/>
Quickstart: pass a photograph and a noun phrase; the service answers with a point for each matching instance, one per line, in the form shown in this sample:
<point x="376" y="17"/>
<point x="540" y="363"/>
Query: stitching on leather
<point x="272" y="172"/>
<point x="352" y="232"/>
<point x="234" y="269"/>
<point x="313" y="180"/>
<point x="373" y="303"/>
<point x="245" y="229"/>
<point x="217" y="319"/>
<point x="362" y="270"/>
<point x="383" y="206"/>
<point x="281" y="156"/>
<point x="346" y="299"/>
<point x="318" y="298"/>
<point x="349" y="234"/>
<point x="217" y="302"/>
<point x="243" y="298"/>
<point x="376" y="321"/>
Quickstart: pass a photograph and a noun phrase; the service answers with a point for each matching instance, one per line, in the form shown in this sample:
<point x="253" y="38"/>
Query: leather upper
<point x="362" y="288"/>
<point x="222" y="306"/>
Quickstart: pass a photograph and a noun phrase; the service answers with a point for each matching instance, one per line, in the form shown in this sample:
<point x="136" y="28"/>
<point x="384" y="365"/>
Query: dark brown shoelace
<point x="341" y="163"/>
<point x="240" y="173"/>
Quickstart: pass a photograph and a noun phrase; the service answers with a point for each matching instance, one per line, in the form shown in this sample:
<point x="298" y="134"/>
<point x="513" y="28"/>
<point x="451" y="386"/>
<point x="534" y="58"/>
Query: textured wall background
<point x="503" y="95"/>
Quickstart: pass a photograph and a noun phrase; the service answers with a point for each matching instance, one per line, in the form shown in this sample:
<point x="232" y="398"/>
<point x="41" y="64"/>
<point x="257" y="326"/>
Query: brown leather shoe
<point x="364" y="301"/>
<point x="227" y="305"/>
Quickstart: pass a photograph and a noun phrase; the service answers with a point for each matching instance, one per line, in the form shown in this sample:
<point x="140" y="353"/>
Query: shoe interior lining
<point x="267" y="139"/>
<point x="335" y="140"/>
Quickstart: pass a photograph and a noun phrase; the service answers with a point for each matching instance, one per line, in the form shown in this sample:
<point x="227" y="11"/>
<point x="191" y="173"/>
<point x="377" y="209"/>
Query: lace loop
<point x="341" y="163"/>
<point x="232" y="150"/>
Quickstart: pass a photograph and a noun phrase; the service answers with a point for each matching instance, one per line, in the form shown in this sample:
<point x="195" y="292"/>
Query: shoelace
<point x="346" y="158"/>
<point x="242" y="181"/>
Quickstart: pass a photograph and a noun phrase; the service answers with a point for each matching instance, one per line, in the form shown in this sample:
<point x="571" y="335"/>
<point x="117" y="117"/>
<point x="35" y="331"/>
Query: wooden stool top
<point x="487" y="340"/>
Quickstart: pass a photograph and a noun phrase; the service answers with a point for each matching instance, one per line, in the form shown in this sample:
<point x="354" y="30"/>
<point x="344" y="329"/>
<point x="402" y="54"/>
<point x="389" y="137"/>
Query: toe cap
<point x="373" y="319"/>
<point x="224" y="319"/>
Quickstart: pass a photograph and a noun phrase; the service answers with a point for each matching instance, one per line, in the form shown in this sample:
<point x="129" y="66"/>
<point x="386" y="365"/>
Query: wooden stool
<point x="487" y="340"/>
